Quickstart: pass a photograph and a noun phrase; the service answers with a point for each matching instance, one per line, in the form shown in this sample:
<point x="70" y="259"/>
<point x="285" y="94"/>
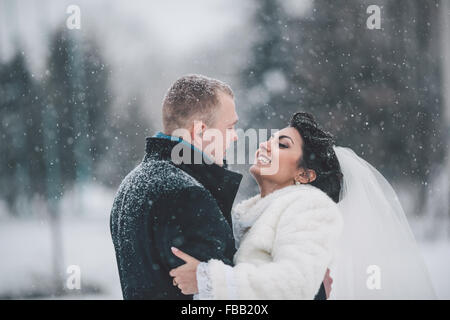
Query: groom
<point x="166" y="202"/>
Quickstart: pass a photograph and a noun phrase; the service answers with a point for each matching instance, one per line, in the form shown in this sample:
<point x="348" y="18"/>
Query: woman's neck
<point x="267" y="187"/>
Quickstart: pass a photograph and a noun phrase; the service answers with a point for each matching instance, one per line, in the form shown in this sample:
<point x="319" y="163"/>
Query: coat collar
<point x="222" y="183"/>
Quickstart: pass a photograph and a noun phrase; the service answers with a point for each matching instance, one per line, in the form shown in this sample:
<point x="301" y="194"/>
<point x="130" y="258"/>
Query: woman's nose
<point x="265" y="145"/>
<point x="235" y="136"/>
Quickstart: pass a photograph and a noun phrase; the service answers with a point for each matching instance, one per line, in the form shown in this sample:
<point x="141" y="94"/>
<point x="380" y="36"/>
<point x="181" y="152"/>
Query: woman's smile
<point x="262" y="159"/>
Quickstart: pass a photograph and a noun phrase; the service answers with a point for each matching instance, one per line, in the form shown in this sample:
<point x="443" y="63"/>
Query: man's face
<point x="222" y="134"/>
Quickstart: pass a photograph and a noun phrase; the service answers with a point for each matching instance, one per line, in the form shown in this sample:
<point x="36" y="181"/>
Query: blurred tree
<point x="77" y="104"/>
<point x="21" y="166"/>
<point x="60" y="91"/>
<point x="265" y="74"/>
<point x="98" y="102"/>
<point x="378" y="91"/>
<point x="130" y="128"/>
<point x="55" y="131"/>
<point x="77" y="85"/>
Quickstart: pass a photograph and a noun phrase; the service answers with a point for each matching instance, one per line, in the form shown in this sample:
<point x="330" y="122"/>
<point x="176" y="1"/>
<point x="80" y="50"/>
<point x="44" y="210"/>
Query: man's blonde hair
<point x="192" y="97"/>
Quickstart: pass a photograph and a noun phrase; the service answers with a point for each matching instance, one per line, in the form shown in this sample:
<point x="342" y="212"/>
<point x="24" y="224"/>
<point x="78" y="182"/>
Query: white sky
<point x="148" y="43"/>
<point x="176" y="26"/>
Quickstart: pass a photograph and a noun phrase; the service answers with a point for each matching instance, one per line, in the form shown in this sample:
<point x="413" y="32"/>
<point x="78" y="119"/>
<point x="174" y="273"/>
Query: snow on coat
<point x="159" y="205"/>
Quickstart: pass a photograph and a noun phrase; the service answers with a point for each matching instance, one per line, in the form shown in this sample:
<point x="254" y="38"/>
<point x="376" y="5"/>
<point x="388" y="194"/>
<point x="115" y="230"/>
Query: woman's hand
<point x="185" y="276"/>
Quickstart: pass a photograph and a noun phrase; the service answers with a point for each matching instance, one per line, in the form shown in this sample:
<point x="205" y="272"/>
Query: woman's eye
<point x="282" y="145"/>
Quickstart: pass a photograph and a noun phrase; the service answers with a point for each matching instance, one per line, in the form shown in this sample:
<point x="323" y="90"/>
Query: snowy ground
<point x="26" y="259"/>
<point x="26" y="267"/>
<point x="437" y="259"/>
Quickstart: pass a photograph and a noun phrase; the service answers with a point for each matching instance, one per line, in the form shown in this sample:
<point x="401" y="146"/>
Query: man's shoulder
<point x="160" y="177"/>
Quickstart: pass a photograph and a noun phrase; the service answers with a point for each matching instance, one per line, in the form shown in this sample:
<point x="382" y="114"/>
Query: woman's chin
<point x="255" y="169"/>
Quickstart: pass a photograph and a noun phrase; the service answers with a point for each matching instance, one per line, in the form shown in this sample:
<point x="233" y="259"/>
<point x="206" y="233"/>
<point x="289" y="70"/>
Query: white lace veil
<point x="377" y="243"/>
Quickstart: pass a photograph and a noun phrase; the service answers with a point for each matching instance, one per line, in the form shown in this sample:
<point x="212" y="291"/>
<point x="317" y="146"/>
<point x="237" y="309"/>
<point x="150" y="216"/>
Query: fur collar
<point x="247" y="211"/>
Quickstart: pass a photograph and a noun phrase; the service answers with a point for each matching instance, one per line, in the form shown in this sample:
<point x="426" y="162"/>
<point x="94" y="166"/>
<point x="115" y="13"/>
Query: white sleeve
<point x="203" y="283"/>
<point x="301" y="253"/>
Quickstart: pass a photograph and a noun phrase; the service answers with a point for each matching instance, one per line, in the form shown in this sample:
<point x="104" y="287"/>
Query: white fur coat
<point x="285" y="244"/>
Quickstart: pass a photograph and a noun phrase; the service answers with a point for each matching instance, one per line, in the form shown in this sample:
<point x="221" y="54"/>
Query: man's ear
<point x="197" y="130"/>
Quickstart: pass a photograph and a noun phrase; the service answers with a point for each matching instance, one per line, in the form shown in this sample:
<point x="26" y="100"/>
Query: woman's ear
<point x="312" y="175"/>
<point x="306" y="176"/>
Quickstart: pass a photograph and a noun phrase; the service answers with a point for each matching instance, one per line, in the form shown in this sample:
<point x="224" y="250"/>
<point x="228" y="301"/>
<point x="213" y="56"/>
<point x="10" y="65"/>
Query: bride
<point x="322" y="207"/>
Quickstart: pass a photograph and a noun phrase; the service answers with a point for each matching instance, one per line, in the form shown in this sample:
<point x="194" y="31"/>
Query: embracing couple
<point x="324" y="209"/>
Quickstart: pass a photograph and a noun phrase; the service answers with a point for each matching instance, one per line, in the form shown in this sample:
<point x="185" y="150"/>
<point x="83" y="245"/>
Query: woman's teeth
<point x="263" y="160"/>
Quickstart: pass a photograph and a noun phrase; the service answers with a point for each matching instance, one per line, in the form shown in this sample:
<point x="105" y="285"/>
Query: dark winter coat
<point x="161" y="204"/>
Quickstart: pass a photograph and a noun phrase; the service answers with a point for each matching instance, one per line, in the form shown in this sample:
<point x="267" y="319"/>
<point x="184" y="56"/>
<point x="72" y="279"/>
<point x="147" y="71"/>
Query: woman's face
<point x="277" y="159"/>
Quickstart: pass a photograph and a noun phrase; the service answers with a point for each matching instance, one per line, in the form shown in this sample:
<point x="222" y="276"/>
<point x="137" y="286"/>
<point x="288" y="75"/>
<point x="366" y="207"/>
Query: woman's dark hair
<point x="318" y="154"/>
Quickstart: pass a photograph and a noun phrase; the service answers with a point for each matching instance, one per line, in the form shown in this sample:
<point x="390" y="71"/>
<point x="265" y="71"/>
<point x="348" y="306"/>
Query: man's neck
<point x="188" y="139"/>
